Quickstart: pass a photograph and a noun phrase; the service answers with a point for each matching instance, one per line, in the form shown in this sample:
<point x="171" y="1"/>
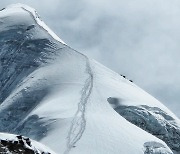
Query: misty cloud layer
<point x="137" y="38"/>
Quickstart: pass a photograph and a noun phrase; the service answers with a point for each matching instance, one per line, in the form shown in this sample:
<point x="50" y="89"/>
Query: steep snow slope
<point x="58" y="96"/>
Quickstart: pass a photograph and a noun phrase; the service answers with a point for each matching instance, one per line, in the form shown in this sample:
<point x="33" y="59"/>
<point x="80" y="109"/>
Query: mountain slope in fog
<point x="53" y="94"/>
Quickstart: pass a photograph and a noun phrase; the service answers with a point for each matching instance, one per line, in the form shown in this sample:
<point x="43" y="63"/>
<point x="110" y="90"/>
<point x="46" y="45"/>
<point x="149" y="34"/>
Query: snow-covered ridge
<point x="36" y="17"/>
<point x="59" y="97"/>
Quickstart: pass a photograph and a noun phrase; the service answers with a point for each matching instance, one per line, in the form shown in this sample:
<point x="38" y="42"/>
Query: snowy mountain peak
<point x="17" y="9"/>
<point x="55" y="95"/>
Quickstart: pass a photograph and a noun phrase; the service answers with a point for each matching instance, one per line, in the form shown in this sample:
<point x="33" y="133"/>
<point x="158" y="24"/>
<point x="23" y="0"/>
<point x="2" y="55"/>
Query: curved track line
<point x="78" y="123"/>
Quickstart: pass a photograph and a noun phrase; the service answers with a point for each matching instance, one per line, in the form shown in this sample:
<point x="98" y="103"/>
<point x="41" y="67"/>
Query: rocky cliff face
<point x="17" y="144"/>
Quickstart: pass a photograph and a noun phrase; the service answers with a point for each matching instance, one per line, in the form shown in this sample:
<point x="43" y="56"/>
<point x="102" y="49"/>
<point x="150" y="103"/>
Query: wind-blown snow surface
<point x="59" y="97"/>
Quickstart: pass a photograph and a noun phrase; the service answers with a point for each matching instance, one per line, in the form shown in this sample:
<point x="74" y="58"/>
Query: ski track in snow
<point x="79" y="122"/>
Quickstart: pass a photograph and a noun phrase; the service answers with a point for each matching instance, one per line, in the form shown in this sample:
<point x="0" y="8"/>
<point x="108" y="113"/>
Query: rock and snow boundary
<point x="17" y="144"/>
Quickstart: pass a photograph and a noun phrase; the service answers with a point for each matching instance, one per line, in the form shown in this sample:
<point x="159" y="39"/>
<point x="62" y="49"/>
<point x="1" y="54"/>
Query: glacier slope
<point x="58" y="96"/>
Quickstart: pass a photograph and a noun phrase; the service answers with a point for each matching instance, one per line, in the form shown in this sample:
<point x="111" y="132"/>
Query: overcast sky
<point x="137" y="38"/>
